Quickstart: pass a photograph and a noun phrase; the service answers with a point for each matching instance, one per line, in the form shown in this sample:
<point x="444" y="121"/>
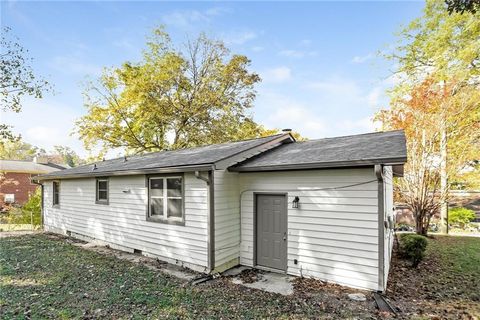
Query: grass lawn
<point x="16" y="227"/>
<point x="43" y="276"/>
<point x="446" y="284"/>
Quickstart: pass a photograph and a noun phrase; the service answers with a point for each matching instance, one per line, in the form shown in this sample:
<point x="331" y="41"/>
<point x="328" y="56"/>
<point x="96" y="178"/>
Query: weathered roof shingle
<point x="28" y="166"/>
<point x="364" y="149"/>
<point x="199" y="156"/>
<point x="354" y="150"/>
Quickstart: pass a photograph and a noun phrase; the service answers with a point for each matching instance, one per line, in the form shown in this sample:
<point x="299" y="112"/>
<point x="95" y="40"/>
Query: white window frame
<point x="55" y="190"/>
<point x="165" y="218"/>
<point x="97" y="191"/>
<point x="9" y="198"/>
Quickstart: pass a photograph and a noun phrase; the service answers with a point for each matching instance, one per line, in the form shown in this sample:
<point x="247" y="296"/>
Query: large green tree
<point x="419" y="114"/>
<point x="17" y="78"/>
<point x="66" y="156"/>
<point x="17" y="150"/>
<point x="439" y="54"/>
<point x="463" y="6"/>
<point x="173" y="98"/>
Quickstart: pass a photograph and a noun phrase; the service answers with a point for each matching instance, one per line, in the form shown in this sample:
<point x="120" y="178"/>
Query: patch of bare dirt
<point x="250" y="275"/>
<point x="333" y="298"/>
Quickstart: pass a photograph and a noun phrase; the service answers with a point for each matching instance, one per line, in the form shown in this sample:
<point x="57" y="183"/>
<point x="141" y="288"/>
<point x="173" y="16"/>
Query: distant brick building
<point x="15" y="179"/>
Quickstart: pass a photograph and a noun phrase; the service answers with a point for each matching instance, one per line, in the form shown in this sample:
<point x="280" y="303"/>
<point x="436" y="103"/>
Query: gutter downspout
<point x="381" y="227"/>
<point x="211" y="217"/>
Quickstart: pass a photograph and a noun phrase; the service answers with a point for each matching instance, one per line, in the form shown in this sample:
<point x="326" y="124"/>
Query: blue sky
<point x="321" y="76"/>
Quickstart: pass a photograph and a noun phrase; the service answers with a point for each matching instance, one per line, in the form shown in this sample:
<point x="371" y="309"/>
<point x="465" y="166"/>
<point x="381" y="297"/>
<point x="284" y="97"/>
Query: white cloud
<point x="363" y="59"/>
<point x="184" y="19"/>
<point x="326" y="114"/>
<point x="346" y="92"/>
<point x="302" y="119"/>
<point x="358" y="125"/>
<point x="239" y="37"/>
<point x="75" y="65"/>
<point x="279" y="74"/>
<point x="306" y="42"/>
<point x="297" y="53"/>
<point x="374" y="97"/>
<point x="257" y="48"/>
<point x="285" y="112"/>
<point x="187" y="18"/>
<point x="327" y="107"/>
<point x="41" y="134"/>
<point x="124" y="43"/>
<point x="217" y="11"/>
<point x="46" y="123"/>
<point x="336" y="86"/>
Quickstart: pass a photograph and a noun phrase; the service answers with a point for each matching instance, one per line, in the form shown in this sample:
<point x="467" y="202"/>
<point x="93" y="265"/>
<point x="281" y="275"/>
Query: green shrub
<point x="460" y="216"/>
<point x="34" y="206"/>
<point x="30" y="212"/>
<point x="412" y="247"/>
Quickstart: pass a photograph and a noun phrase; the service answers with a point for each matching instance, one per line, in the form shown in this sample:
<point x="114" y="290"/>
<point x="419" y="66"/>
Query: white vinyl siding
<point x="227" y="218"/>
<point x="333" y="234"/>
<point x="389" y="216"/>
<point x="123" y="222"/>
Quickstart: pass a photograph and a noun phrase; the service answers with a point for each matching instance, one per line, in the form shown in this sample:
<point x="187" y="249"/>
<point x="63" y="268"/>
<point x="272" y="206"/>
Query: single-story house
<point x="317" y="208"/>
<point x="15" y="178"/>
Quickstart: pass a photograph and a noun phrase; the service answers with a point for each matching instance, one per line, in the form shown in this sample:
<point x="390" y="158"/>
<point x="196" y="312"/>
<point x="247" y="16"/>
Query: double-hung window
<point x="56" y="193"/>
<point x="101" y="191"/>
<point x="165" y="199"/>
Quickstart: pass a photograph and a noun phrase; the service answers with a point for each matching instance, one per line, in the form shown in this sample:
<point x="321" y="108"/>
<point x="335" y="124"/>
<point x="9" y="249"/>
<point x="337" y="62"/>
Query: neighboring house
<point x="319" y="208"/>
<point x="469" y="199"/>
<point x="15" y="179"/>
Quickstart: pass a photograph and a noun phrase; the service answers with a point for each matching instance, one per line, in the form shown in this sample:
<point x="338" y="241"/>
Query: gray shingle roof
<point x="363" y="149"/>
<point x="200" y="156"/>
<point x="28" y="166"/>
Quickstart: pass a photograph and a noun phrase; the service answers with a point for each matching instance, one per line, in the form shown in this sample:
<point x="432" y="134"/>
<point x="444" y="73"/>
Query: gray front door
<point x="272" y="231"/>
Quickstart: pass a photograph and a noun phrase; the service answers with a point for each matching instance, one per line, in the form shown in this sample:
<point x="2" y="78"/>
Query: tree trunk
<point x="420" y="224"/>
<point x="443" y="176"/>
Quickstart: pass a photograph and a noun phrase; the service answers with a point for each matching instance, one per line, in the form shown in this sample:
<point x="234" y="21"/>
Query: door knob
<point x="284" y="236"/>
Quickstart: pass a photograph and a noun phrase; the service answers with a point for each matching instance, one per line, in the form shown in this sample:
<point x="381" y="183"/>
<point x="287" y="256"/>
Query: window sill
<point x="104" y="202"/>
<point x="167" y="221"/>
<point x="56" y="206"/>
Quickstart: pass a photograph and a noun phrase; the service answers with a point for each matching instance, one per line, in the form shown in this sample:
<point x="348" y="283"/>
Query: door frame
<point x="255" y="233"/>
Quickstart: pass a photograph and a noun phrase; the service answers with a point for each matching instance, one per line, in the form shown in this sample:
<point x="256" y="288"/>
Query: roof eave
<point x="201" y="167"/>
<point x="322" y="165"/>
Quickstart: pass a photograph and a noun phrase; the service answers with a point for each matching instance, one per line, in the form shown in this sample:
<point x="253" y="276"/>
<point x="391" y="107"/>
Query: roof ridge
<point x="189" y="148"/>
<point x="352" y="135"/>
<point x="194" y="156"/>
